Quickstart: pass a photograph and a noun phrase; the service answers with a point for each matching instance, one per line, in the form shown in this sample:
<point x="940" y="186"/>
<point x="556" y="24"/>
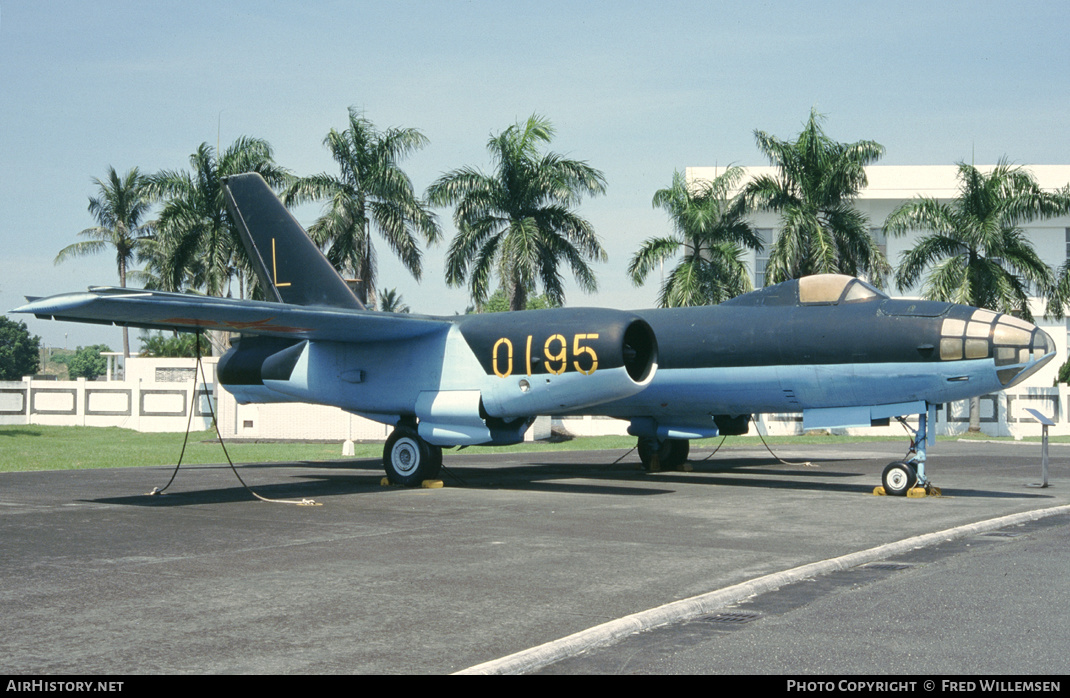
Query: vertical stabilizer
<point x="290" y="267"/>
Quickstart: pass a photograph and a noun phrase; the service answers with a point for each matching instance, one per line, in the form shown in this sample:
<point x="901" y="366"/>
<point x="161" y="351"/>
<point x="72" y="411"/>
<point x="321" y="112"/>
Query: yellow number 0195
<point x="559" y="356"/>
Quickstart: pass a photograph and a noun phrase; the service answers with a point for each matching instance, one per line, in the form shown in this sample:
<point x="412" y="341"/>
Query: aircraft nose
<point x="1021" y="349"/>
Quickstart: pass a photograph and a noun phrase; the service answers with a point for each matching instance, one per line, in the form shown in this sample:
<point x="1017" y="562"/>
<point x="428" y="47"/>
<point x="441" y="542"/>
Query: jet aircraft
<point x="832" y="347"/>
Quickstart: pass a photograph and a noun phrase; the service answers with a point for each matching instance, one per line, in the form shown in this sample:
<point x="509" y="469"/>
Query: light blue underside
<point x="827" y="395"/>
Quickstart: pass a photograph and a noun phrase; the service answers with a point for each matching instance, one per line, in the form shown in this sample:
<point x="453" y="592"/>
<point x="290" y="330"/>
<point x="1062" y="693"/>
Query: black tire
<point x="408" y="459"/>
<point x="679" y="449"/>
<point x="648" y="449"/>
<point x="898" y="478"/>
<point x="436" y="461"/>
<point x="671" y="453"/>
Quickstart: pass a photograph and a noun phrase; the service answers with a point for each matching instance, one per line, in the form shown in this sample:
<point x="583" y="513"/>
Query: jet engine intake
<point x="244" y="363"/>
<point x="243" y="369"/>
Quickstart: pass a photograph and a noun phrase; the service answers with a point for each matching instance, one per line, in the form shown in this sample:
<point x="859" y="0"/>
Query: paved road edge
<point x="685" y="609"/>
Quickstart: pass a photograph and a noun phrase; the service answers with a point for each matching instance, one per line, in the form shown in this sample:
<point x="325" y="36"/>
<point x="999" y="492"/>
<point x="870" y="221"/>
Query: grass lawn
<point x="35" y="447"/>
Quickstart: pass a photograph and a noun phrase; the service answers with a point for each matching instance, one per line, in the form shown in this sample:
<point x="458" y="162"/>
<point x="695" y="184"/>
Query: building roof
<point x="908" y="181"/>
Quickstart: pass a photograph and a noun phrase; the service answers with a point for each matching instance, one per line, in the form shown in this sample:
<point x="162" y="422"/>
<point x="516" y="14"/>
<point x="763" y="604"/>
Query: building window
<point x="761" y="259"/>
<point x="881" y="238"/>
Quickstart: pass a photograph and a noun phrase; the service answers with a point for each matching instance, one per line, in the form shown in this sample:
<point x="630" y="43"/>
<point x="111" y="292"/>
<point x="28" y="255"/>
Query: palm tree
<point x="371" y="190"/>
<point x="975" y="252"/>
<point x="518" y="222"/>
<point x="162" y="272"/>
<point x="198" y="245"/>
<point x="390" y="302"/>
<point x="498" y="302"/>
<point x="710" y="228"/>
<point x="119" y="209"/>
<point x="817" y="181"/>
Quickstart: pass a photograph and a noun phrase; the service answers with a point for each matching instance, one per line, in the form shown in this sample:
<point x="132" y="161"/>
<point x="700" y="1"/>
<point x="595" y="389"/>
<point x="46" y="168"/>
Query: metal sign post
<point x="1045" y="423"/>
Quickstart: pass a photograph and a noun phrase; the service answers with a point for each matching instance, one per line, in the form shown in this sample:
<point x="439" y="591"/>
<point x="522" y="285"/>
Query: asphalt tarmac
<point x="520" y="550"/>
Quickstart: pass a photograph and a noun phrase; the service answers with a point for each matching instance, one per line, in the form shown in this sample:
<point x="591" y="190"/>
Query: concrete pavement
<point x="517" y="550"/>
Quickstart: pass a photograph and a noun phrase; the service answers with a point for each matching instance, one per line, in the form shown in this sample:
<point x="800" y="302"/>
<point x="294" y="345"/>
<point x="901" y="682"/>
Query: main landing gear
<point x="669" y="454"/>
<point x="902" y="476"/>
<point x="408" y="459"/>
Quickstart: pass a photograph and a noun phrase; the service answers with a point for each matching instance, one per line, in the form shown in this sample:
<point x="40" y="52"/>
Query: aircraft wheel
<point x="679" y="449"/>
<point x="436" y="461"/>
<point x="671" y="453"/>
<point x="646" y="449"/>
<point x="898" y="478"/>
<point x="408" y="459"/>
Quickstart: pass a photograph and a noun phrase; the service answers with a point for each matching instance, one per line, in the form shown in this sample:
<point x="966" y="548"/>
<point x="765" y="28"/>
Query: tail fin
<point x="290" y="267"/>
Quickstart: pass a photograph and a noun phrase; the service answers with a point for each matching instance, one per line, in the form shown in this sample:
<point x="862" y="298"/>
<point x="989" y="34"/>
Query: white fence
<point x="158" y="395"/>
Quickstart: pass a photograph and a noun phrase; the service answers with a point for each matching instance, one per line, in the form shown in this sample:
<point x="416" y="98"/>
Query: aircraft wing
<point x="188" y="312"/>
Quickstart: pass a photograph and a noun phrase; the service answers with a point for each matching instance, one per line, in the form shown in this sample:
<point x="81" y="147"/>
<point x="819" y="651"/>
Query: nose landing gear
<point x="899" y="478"/>
<point x="906" y="478"/>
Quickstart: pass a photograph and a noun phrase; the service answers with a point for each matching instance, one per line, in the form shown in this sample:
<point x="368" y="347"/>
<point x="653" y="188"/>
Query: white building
<point x="889" y="187"/>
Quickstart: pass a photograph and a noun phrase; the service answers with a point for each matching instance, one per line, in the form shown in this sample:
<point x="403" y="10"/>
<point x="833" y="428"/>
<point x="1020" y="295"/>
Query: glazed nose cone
<point x="1021" y="349"/>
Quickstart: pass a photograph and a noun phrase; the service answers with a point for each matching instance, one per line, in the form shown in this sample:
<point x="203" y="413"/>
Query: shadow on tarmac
<point x="623" y="479"/>
<point x="300" y="486"/>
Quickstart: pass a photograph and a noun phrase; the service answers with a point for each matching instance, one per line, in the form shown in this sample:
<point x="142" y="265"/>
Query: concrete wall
<point x="159" y="406"/>
<point x="301" y="421"/>
<point x="156" y="396"/>
<point x="294" y="420"/>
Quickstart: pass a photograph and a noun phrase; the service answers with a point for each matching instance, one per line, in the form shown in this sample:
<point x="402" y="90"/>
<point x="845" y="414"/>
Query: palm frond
<point x="371" y="191"/>
<point x="816" y="183"/>
<point x="518" y="222"/>
<point x="974" y="250"/>
<point x="709" y="228"/>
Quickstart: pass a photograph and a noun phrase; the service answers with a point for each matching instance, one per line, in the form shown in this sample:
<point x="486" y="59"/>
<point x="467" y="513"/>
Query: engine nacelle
<point x="533" y="363"/>
<point x="553" y="362"/>
<point x="241" y="370"/>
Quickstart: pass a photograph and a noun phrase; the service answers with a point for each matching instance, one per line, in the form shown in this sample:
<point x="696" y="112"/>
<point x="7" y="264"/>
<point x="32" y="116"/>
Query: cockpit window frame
<point x="819" y="289"/>
<point x="790" y="293"/>
<point x="871" y="292"/>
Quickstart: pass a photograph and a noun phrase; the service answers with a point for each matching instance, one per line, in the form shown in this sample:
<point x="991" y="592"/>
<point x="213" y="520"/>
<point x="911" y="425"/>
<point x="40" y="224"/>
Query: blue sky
<point x="637" y="89"/>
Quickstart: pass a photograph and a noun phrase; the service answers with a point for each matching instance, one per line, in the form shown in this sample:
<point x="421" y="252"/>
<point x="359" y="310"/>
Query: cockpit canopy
<point x="819" y="289"/>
